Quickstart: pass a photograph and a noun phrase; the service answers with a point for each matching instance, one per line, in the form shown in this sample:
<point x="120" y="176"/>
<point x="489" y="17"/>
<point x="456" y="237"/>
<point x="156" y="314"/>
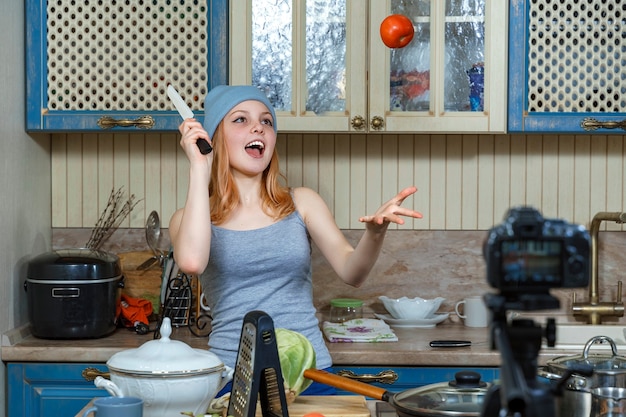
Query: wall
<point x="465" y="182"/>
<point x="25" y="186"/>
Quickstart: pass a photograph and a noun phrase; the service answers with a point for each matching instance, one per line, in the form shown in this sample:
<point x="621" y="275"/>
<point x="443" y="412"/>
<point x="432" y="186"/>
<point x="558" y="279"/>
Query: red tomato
<point x="396" y="31"/>
<point x="313" y="414"/>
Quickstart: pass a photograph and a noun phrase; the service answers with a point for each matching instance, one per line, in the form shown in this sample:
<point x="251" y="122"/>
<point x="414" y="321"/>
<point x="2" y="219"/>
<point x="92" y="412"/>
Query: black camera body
<point x="527" y="254"/>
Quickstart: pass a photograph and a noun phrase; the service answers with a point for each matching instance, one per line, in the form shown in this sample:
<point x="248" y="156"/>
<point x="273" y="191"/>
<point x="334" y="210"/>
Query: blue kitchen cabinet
<point x="105" y="66"/>
<point x="566" y="67"/>
<point x="413" y="377"/>
<point x="50" y="389"/>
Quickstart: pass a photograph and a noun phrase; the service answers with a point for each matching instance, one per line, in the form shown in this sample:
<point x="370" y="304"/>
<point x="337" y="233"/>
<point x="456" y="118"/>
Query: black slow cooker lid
<point x="74" y="264"/>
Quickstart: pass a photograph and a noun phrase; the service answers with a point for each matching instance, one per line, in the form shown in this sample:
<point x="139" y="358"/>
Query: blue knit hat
<point x="222" y="98"/>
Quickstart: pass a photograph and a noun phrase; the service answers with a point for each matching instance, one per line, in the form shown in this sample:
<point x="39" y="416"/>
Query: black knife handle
<point x="450" y="343"/>
<point x="204" y="146"/>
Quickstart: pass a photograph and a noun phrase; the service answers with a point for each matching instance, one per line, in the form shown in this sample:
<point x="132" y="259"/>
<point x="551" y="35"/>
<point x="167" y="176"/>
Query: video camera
<point x="526" y="256"/>
<point x="529" y="254"/>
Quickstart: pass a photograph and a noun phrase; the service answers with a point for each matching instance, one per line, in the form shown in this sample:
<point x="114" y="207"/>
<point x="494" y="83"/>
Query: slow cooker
<point x="73" y="293"/>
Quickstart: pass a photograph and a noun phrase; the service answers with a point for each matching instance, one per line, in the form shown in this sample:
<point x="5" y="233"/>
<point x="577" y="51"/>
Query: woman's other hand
<point x="392" y="212"/>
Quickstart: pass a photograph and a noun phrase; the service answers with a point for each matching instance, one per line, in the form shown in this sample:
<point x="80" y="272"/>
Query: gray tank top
<point x="267" y="269"/>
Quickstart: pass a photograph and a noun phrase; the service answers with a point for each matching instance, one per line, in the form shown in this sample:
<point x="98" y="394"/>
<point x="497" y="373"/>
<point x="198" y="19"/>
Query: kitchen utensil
<point x="416" y="308"/>
<point x="178" y="299"/>
<point x="153" y="234"/>
<point x="328" y="406"/>
<point x="73" y="293"/>
<point x="450" y="343"/>
<point x="473" y="311"/>
<point x="257" y="371"/>
<point x="609" y="370"/>
<point x="608" y="402"/>
<point x="462" y="397"/>
<point x="428" y="323"/>
<point x="169" y="375"/>
<point x="116" y="407"/>
<point x="186" y="113"/>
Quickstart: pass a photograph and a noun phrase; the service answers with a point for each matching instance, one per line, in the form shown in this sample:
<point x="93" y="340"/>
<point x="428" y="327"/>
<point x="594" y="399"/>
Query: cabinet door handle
<point x="91" y="373"/>
<point x="358" y="122"/>
<point x="384" y="377"/>
<point x="590" y="123"/>
<point x="377" y="123"/>
<point x="143" y="122"/>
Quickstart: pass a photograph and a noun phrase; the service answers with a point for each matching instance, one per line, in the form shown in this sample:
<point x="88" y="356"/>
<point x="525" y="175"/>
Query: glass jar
<point x="344" y="309"/>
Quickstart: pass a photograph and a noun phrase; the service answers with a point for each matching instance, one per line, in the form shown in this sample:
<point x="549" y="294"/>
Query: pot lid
<point x="165" y="357"/>
<point x="74" y="264"/>
<point x="601" y="362"/>
<point x="462" y="397"/>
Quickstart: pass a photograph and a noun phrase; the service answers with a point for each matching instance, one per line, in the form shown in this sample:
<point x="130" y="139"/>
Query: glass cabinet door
<point x="306" y="57"/>
<point x="451" y="77"/>
<point x="324" y="66"/>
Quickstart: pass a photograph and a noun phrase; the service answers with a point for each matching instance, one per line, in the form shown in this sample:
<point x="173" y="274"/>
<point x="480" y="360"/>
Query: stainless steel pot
<point x="608" y="402"/>
<point x="608" y="371"/>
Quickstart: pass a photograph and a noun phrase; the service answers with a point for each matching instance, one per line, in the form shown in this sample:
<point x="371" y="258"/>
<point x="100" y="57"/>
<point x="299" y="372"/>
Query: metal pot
<point x="608" y="402"/>
<point x="608" y="371"/>
<point x="462" y="397"/>
<point x="169" y="375"/>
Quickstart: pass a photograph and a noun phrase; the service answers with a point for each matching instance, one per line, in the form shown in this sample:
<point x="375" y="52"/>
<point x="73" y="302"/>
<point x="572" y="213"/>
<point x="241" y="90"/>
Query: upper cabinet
<point x="105" y="65"/>
<point x="566" y="66"/>
<point x="325" y="68"/>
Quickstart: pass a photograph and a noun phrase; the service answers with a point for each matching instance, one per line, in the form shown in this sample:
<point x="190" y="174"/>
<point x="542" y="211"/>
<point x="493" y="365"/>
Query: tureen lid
<point x="165" y="356"/>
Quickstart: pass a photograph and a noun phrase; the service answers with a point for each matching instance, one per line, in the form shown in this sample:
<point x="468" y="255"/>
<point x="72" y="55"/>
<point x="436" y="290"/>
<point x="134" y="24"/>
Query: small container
<point x="344" y="309"/>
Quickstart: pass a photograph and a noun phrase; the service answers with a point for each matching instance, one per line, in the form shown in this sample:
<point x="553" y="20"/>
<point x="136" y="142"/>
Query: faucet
<point x="594" y="309"/>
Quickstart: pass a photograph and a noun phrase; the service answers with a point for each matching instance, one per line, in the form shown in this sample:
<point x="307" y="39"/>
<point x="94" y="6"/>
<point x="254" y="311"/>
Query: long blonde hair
<point x="224" y="195"/>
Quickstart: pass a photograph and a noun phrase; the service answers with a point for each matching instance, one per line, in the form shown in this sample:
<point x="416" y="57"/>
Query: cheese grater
<point x="257" y="371"/>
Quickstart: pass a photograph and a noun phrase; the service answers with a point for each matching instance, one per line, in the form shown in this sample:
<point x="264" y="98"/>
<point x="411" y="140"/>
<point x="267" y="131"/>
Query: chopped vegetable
<point x="296" y="354"/>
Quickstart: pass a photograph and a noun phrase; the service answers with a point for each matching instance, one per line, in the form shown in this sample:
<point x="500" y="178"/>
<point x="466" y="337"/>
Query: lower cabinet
<point x="50" y="389"/>
<point x="409" y="377"/>
<point x="60" y="390"/>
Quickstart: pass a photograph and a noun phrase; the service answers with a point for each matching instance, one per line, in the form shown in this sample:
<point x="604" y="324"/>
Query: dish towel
<point x="359" y="330"/>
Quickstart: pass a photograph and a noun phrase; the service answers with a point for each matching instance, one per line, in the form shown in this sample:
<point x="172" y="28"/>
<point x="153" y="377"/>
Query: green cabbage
<point x="296" y="354"/>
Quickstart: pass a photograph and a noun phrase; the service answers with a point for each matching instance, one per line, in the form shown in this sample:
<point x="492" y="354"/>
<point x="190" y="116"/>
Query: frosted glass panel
<point x="326" y="55"/>
<point x="465" y="55"/>
<point x="324" y="69"/>
<point x="272" y="50"/>
<point x="410" y="66"/>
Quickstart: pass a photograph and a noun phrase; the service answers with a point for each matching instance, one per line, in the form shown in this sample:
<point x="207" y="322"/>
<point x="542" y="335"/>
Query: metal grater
<point x="257" y="371"/>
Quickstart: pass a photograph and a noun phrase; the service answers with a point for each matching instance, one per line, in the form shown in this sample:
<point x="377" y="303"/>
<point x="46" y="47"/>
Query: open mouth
<point x="255" y="148"/>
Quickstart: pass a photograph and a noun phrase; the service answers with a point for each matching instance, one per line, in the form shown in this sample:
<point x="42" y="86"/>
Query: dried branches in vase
<point x="114" y="213"/>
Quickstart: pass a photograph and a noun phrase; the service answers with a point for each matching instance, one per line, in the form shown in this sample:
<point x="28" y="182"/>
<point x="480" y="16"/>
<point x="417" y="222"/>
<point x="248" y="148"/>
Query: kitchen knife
<point x="450" y="343"/>
<point x="186" y="113"/>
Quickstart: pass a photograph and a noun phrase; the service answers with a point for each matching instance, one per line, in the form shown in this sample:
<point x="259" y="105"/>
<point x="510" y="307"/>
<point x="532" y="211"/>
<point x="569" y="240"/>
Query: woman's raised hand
<point x="391" y="211"/>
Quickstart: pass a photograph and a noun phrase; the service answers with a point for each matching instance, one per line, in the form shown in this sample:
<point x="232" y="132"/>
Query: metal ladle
<point x="153" y="232"/>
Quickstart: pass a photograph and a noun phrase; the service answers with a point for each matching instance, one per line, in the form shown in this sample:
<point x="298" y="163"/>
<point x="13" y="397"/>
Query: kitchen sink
<point x="575" y="336"/>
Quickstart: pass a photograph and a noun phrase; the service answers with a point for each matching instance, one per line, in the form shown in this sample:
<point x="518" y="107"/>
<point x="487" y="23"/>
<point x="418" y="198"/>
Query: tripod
<point x="520" y="393"/>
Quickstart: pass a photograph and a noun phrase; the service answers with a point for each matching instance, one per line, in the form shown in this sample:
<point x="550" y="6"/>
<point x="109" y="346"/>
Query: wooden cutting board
<point x="328" y="405"/>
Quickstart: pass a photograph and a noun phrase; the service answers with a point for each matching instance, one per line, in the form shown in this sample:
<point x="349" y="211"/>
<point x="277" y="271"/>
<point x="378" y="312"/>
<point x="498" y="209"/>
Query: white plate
<point x="422" y="323"/>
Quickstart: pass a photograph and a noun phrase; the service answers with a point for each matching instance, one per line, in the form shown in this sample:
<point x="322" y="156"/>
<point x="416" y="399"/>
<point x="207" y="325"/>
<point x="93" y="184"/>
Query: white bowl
<point x="411" y="308"/>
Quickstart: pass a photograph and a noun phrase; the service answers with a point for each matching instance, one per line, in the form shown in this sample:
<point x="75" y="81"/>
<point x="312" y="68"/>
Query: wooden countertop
<point x="412" y="348"/>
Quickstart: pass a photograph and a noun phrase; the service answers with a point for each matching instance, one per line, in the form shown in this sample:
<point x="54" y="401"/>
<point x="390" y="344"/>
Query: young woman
<point x="247" y="235"/>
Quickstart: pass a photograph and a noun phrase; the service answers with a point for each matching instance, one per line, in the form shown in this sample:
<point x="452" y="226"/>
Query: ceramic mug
<point x="475" y="312"/>
<point x="116" y="407"/>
